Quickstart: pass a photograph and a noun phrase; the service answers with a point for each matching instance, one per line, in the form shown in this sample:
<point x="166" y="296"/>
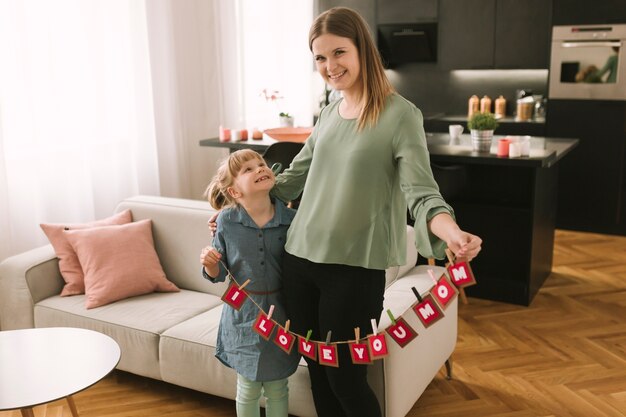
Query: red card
<point x="428" y="311"/>
<point x="234" y="297"/>
<point x="401" y="332"/>
<point x="378" y="346"/>
<point x="360" y="353"/>
<point x="263" y="325"/>
<point x="328" y="355"/>
<point x="444" y="292"/>
<point x="461" y="275"/>
<point x="284" y="339"/>
<point x="307" y="348"/>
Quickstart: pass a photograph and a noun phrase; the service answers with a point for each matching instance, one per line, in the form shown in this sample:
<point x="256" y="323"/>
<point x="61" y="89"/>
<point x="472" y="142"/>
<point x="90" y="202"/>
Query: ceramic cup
<point x="455" y="131"/>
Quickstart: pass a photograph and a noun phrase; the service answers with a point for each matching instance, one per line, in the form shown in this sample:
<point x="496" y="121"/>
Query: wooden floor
<point x="565" y="355"/>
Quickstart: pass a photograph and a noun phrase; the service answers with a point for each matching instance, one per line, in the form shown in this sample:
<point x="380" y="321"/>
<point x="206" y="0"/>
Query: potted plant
<point x="286" y="120"/>
<point x="481" y="126"/>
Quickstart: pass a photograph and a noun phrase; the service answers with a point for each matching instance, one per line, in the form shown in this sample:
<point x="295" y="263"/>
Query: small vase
<point x="481" y="140"/>
<point x="286" y="121"/>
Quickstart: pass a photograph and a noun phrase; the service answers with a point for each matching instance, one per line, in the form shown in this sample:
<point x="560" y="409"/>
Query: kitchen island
<point x="509" y="202"/>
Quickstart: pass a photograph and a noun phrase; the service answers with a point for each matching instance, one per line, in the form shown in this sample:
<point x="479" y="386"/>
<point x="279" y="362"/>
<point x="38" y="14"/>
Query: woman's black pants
<point x="324" y="297"/>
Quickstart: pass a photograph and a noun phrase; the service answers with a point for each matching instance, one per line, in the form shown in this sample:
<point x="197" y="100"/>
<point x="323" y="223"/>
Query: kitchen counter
<point x="508" y="125"/>
<point x="544" y="152"/>
<point x="509" y="202"/>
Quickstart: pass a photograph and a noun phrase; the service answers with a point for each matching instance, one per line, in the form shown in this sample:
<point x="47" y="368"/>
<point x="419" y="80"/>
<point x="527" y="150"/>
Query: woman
<point x="364" y="161"/>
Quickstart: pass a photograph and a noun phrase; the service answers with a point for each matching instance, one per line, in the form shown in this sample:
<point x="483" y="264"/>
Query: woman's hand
<point x="465" y="246"/>
<point x="209" y="258"/>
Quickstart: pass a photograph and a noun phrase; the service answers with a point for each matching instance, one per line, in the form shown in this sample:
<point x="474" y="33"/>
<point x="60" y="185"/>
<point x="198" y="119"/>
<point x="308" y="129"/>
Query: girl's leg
<point x="276" y="398"/>
<point x="248" y="395"/>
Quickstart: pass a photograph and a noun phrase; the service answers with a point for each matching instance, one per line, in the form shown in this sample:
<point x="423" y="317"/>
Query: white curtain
<point x="105" y="99"/>
<point x="76" y="113"/>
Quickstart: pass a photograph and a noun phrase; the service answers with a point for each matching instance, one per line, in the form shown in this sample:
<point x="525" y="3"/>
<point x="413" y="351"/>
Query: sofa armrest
<point x="26" y="279"/>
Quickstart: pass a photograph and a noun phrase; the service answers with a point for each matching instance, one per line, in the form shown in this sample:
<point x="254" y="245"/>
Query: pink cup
<point x="503" y="147"/>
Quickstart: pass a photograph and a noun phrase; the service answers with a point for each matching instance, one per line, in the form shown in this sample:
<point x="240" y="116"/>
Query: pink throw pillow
<point x="68" y="262"/>
<point x="118" y="262"/>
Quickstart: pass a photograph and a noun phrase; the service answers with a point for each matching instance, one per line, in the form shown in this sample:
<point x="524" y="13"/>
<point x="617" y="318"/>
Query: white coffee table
<point x="38" y="366"/>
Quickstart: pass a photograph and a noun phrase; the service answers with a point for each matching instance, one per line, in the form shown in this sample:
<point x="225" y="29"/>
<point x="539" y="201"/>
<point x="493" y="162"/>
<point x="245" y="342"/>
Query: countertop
<point x="544" y="151"/>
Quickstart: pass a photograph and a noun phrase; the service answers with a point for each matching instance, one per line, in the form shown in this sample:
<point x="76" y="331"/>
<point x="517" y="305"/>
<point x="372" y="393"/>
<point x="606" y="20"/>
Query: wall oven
<point x="588" y="62"/>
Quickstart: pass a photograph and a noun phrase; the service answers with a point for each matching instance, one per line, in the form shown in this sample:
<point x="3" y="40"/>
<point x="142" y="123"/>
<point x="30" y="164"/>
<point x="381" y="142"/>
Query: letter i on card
<point x="234" y="296"/>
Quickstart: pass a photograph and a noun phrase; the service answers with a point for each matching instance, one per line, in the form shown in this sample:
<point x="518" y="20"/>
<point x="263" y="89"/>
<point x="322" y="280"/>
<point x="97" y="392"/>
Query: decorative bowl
<point x="289" y="134"/>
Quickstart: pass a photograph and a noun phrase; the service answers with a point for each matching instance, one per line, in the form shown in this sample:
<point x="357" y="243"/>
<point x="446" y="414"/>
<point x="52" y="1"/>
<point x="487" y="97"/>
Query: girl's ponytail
<point x="217" y="191"/>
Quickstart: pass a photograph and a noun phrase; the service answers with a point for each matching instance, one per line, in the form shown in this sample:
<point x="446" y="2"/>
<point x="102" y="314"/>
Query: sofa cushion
<point x="135" y="323"/>
<point x="68" y="262"/>
<point x="118" y="262"/>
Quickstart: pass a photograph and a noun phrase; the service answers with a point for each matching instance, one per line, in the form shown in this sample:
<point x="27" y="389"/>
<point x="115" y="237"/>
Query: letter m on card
<point x="461" y="274"/>
<point x="428" y="311"/>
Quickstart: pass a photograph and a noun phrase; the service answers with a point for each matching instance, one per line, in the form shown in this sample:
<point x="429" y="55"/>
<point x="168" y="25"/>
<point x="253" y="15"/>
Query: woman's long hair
<point x="347" y="23"/>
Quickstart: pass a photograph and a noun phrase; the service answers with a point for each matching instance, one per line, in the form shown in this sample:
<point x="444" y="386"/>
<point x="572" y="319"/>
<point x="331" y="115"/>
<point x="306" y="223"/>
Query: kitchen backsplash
<point x="437" y="91"/>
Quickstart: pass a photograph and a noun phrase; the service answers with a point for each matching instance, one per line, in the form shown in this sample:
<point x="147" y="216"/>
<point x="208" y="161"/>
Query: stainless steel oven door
<point x="588" y="62"/>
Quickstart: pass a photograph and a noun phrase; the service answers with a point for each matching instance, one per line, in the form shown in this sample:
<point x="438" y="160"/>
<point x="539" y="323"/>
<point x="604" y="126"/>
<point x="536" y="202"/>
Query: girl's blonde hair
<point x="217" y="191"/>
<point x="345" y="22"/>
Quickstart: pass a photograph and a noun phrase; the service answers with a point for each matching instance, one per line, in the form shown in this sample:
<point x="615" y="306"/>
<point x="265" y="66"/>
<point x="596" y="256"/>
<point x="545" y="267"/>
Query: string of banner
<point x="428" y="308"/>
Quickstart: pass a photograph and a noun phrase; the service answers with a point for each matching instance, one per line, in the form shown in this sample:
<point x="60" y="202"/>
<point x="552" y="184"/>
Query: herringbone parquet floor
<point x="564" y="356"/>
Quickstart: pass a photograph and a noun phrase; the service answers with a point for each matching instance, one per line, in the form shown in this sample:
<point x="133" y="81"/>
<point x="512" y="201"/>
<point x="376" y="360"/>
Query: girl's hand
<point x="209" y="258"/>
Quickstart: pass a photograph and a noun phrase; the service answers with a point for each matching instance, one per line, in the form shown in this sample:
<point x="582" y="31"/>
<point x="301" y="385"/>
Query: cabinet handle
<point x="591" y="43"/>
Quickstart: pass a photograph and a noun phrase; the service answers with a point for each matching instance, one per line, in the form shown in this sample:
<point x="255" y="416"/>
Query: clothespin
<point x="374" y="327"/>
<point x="450" y="256"/>
<point x="417" y="294"/>
<point x="328" y="336"/>
<point x="308" y="335"/>
<point x="287" y="325"/>
<point x="432" y="276"/>
<point x="357" y="334"/>
<point x="393" y="319"/>
<point x="244" y="284"/>
<point x="269" y="315"/>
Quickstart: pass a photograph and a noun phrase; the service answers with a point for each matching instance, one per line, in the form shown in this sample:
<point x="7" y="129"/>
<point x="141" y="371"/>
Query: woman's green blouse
<point x="356" y="187"/>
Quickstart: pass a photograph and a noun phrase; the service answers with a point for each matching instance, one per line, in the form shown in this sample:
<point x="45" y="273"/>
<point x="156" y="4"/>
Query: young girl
<point x="249" y="241"/>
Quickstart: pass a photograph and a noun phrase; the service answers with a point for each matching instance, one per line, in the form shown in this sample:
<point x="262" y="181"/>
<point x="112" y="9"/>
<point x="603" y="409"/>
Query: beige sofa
<point x="171" y="336"/>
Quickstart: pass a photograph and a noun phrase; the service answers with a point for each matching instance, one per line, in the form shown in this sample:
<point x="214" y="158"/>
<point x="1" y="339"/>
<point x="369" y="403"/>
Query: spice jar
<point x="473" y="105"/>
<point x="500" y="107"/>
<point x="485" y="104"/>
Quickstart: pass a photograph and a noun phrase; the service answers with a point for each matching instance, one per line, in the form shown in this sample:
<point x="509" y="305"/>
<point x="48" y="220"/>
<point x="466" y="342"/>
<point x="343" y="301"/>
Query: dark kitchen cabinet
<point x="584" y="12"/>
<point x="488" y="34"/>
<point x="592" y="180"/>
<point x="523" y="33"/>
<point x="466" y="34"/>
<point x="405" y="11"/>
